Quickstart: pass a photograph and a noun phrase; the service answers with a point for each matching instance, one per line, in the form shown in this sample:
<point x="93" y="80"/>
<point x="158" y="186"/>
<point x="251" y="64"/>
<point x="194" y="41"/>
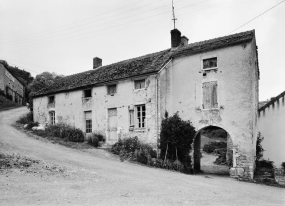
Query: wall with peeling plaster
<point x="271" y="125"/>
<point x="237" y="78"/>
<point x="69" y="108"/>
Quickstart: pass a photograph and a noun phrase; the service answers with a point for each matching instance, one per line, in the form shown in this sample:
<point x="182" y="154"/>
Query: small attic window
<point x="112" y="89"/>
<point x="139" y="84"/>
<point x="210" y="63"/>
<point x="51" y="99"/>
<point x="87" y="93"/>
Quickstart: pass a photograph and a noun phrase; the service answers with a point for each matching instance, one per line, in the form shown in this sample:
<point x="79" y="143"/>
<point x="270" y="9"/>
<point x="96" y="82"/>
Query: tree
<point x="41" y="81"/>
<point x="176" y="137"/>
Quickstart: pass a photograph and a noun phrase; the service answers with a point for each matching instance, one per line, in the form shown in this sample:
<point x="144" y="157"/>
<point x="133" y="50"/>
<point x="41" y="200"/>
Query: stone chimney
<point x="175" y="38"/>
<point x="97" y="62"/>
<point x="184" y="41"/>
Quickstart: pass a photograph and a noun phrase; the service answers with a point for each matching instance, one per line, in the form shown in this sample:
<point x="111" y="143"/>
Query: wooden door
<point x="112" y="124"/>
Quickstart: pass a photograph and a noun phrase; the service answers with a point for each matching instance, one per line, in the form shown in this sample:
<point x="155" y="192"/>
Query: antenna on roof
<point x="173" y="14"/>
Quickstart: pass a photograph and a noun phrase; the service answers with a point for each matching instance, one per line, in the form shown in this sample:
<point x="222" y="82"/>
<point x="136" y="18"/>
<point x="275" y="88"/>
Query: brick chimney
<point x="184" y="41"/>
<point x="97" y="62"/>
<point x="175" y="38"/>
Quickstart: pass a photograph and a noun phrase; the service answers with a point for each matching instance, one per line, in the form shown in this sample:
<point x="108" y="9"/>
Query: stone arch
<point x="196" y="147"/>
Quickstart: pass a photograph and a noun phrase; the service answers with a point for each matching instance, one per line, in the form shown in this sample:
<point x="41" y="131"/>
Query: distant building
<point x="210" y="83"/>
<point x="271" y="119"/>
<point x="11" y="85"/>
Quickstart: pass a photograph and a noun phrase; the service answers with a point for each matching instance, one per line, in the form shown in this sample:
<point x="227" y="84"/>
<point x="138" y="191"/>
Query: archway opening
<point x="213" y="152"/>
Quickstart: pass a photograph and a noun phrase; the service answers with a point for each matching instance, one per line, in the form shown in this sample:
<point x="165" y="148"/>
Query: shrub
<point x="74" y="135"/>
<point x="263" y="167"/>
<point x="212" y="146"/>
<point x="283" y="165"/>
<point x="214" y="132"/>
<point x="99" y="136"/>
<point x="93" y="140"/>
<point x="32" y="124"/>
<point x="259" y="148"/>
<point x="133" y="149"/>
<point x="117" y="147"/>
<point x="267" y="164"/>
<point x="66" y="132"/>
<point x="55" y="130"/>
<point x="176" y="137"/>
<point x="2" y="93"/>
<point x="26" y="119"/>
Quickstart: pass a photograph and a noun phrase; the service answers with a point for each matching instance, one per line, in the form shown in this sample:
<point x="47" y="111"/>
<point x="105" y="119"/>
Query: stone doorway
<point x="213" y="151"/>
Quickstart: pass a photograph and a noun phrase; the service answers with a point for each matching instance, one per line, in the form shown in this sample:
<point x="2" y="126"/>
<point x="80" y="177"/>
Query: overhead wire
<point x="97" y="20"/>
<point x="257" y="16"/>
<point x="149" y="23"/>
<point x="120" y="24"/>
<point x="72" y="24"/>
<point x="229" y="33"/>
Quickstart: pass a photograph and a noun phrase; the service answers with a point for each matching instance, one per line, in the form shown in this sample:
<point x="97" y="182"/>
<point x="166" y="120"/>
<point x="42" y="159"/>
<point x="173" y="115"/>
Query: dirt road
<point x="95" y="177"/>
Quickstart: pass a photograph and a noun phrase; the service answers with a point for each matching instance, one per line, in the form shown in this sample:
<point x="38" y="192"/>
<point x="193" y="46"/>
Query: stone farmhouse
<point x="210" y="83"/>
<point x="11" y="85"/>
<point x="271" y="118"/>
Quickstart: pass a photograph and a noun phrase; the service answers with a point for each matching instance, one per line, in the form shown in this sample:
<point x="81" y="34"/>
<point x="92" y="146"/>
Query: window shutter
<point x="210" y="98"/>
<point x="206" y="95"/>
<point x="214" y="99"/>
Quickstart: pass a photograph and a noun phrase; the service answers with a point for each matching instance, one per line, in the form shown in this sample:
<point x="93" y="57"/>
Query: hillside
<point x="23" y="76"/>
<point x="7" y="104"/>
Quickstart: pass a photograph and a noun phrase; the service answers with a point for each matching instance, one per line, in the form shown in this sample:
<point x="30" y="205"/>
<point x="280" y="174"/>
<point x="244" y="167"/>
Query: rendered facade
<point x="210" y="83"/>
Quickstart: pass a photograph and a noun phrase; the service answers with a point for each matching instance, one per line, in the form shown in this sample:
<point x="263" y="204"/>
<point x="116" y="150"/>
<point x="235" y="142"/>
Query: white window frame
<point x="52" y="117"/>
<point x="88" y="123"/>
<point x="136" y="80"/>
<point x="209" y="57"/>
<point x="143" y="120"/>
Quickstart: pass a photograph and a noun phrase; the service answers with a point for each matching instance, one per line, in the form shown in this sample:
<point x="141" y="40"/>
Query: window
<point x="139" y="84"/>
<point x="210" y="63"/>
<point x="140" y="116"/>
<point x="52" y="118"/>
<point x="112" y="89"/>
<point x="210" y="99"/>
<point x="88" y="122"/>
<point x="87" y="93"/>
<point x="51" y="99"/>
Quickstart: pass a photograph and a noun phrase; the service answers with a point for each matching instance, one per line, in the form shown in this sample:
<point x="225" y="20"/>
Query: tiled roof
<point x="215" y="43"/>
<point x="272" y="101"/>
<point x="150" y="63"/>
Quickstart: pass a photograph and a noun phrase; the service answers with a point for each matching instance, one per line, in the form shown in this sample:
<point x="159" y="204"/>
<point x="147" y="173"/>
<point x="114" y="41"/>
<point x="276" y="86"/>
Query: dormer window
<point x="210" y="63"/>
<point x="87" y="93"/>
<point x="112" y="89"/>
<point x="139" y="84"/>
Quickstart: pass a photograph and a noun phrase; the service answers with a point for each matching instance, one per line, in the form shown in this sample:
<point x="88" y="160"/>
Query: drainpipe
<point x="157" y="107"/>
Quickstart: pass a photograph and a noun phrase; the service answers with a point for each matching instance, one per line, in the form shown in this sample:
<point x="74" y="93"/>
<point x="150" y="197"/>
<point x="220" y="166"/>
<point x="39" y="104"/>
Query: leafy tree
<point x="176" y="137"/>
<point x="41" y="81"/>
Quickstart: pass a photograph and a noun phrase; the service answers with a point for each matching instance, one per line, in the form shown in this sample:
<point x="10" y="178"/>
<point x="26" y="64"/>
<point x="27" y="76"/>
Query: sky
<point x="63" y="36"/>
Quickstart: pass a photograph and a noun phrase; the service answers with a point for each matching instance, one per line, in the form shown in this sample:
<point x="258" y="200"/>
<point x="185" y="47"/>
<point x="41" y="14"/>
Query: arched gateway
<point x="206" y="136"/>
<point x="239" y="149"/>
